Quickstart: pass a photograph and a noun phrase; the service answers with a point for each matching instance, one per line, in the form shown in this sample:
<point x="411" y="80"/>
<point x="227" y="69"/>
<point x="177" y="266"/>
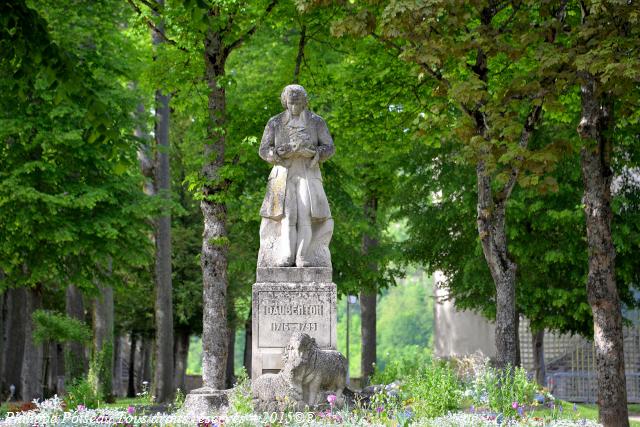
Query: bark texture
<point x="595" y="127"/>
<point x="368" y="298"/>
<point x="144" y="376"/>
<point x="163" y="374"/>
<point x="103" y="343"/>
<point x="14" y="338"/>
<point x="248" y="336"/>
<point x="181" y="355"/>
<point x="368" y="333"/>
<point x="539" y="368"/>
<point x="32" y="360"/>
<point x="76" y="364"/>
<point x="214" y="240"/>
<point x="163" y="378"/>
<point x="131" y="383"/>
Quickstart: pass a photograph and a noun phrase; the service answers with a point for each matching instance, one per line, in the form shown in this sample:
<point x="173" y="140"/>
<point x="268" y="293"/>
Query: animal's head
<point x="299" y="349"/>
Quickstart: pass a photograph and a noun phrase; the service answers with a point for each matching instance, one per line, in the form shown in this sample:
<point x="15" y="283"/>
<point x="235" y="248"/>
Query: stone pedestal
<point x="288" y="300"/>
<point x="204" y="402"/>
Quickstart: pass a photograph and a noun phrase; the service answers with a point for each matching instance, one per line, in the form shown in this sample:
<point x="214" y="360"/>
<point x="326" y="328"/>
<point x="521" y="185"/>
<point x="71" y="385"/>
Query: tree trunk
<point x="60" y="370"/>
<point x="518" y="354"/>
<point x="163" y="378"/>
<point x="595" y="127"/>
<point x="101" y="369"/>
<point x="230" y="377"/>
<point x="539" y="368"/>
<point x="76" y="364"/>
<point x="247" y="343"/>
<point x="163" y="374"/>
<point x="118" y="364"/>
<point x="214" y="239"/>
<point x="15" y="325"/>
<point x="131" y="383"/>
<point x="368" y="297"/>
<point x="145" y="362"/>
<point x="3" y="336"/>
<point x="181" y="357"/>
<point x="368" y="332"/>
<point x="31" y="374"/>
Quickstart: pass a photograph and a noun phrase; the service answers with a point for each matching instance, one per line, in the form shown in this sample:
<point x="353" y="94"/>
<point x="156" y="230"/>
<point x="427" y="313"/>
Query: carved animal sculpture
<point x="308" y="373"/>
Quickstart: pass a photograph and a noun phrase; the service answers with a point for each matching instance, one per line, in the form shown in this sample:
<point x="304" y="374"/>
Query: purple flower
<point x="575" y="408"/>
<point x="81" y="408"/>
<point x="560" y="408"/>
<point x="331" y="399"/>
<point x="472" y="409"/>
<point x="379" y="409"/>
<point x="521" y="411"/>
<point x="514" y="405"/>
<point x="131" y="410"/>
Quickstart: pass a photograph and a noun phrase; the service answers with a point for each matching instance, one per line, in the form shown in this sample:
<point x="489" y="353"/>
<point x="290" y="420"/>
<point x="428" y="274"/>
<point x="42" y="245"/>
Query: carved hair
<point x="292" y="88"/>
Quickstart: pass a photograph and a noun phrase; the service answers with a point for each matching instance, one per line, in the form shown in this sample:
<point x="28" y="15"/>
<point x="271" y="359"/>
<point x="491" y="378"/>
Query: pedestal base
<point x="205" y="402"/>
<point x="288" y="300"/>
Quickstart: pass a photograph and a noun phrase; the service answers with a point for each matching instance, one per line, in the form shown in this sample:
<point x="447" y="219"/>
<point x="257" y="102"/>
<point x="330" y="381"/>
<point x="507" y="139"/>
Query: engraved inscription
<point x="281" y="313"/>
<point x="294" y="326"/>
<point x="302" y="310"/>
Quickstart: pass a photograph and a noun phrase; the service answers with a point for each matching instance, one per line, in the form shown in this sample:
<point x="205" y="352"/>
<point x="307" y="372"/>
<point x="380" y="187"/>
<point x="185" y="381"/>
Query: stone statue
<point x="309" y="374"/>
<point x="296" y="223"/>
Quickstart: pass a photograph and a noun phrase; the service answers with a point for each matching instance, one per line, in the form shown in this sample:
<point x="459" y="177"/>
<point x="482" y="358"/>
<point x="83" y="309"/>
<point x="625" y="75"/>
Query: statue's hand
<point x="308" y="152"/>
<point x="315" y="160"/>
<point x="284" y="151"/>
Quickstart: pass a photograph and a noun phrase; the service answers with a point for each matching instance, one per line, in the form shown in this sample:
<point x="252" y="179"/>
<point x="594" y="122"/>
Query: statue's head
<point x="294" y="99"/>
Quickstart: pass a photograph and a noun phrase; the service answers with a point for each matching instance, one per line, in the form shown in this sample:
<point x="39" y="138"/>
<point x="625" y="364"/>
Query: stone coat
<point x="275" y="135"/>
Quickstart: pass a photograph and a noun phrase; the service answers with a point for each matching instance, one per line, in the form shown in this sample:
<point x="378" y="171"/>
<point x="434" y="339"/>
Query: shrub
<point x="240" y="399"/>
<point x="80" y="392"/>
<point x="433" y="391"/>
<point x="504" y="390"/>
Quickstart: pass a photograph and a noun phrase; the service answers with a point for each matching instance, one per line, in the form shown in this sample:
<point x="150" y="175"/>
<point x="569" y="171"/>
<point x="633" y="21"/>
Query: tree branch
<point x="533" y="118"/>
<point x="153" y="26"/>
<point x="296" y="71"/>
<point x="229" y="48"/>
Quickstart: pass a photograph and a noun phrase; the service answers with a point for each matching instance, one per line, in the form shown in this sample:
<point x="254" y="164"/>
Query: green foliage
<point x="101" y="372"/>
<point x="81" y="392"/>
<point x="405" y="318"/>
<point x="241" y="399"/>
<point x="401" y="363"/>
<point x="51" y="326"/>
<point x="433" y="390"/>
<point x="503" y="390"/>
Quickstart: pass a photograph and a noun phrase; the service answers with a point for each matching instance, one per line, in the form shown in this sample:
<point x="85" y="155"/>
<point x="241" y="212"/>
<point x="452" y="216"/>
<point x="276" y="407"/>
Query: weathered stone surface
<point x="293" y="274"/>
<point x="296" y="223"/>
<point x="308" y="374"/>
<point x="205" y="402"/>
<point x="280" y="309"/>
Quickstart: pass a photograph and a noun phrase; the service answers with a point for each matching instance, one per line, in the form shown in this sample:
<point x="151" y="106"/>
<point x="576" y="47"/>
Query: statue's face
<point x="296" y="103"/>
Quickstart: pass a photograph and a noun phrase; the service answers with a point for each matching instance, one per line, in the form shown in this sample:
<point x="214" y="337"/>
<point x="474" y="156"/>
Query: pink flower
<point x="514" y="405"/>
<point x="131" y="410"/>
<point x="331" y="399"/>
<point x="81" y="408"/>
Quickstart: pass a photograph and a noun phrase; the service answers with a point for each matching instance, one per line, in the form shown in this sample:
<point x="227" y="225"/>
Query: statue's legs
<point x="304" y="233"/>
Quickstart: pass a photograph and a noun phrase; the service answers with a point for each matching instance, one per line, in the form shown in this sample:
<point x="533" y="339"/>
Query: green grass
<point x="125" y="402"/>
<point x="584" y="410"/>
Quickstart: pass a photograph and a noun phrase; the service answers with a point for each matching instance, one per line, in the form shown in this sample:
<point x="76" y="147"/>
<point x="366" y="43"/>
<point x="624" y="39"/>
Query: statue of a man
<point x="296" y="225"/>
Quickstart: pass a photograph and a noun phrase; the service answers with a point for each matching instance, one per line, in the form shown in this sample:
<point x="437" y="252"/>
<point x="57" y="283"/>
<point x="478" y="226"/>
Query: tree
<point x="607" y="55"/>
<point x="70" y="198"/>
<point x="477" y="58"/>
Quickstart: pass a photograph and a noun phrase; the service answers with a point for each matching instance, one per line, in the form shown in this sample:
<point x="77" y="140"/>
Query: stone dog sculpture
<point x="308" y="374"/>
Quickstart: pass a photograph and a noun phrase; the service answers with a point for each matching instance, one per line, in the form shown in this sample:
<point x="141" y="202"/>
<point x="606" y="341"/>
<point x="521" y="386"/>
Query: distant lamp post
<point x="351" y="299"/>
